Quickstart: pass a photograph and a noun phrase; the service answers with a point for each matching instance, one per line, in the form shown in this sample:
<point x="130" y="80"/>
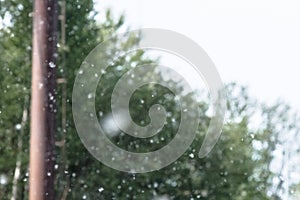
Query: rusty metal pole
<point x="43" y="109"/>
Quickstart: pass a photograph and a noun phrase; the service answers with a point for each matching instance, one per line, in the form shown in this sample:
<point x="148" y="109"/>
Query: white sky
<point x="253" y="42"/>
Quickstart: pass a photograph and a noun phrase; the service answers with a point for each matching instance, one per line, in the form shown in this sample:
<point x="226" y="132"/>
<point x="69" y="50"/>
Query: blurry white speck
<point x="3" y="179"/>
<point x="204" y="193"/>
<point x="109" y="125"/>
<point x="52" y="65"/>
<point x="101" y="189"/>
<point x="164" y="197"/>
<point x="18" y="126"/>
<point x="90" y="95"/>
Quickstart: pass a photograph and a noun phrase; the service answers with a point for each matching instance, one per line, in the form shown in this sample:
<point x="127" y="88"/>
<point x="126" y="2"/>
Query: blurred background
<point x="255" y="46"/>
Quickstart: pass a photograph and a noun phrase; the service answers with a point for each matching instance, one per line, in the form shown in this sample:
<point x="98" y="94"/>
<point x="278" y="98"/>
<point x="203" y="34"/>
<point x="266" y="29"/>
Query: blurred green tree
<point x="237" y="168"/>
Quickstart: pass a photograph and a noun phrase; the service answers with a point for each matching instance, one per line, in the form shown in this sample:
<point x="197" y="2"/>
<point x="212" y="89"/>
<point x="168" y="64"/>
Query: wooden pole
<point x="43" y="109"/>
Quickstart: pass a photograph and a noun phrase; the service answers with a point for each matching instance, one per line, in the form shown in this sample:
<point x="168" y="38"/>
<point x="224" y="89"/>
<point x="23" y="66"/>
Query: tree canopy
<point x="237" y="168"/>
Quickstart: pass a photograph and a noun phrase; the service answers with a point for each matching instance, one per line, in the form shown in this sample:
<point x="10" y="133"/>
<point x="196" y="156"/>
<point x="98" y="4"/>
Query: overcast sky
<point x="253" y="42"/>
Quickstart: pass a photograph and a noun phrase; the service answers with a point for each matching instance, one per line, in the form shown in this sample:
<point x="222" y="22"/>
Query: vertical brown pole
<point x="43" y="108"/>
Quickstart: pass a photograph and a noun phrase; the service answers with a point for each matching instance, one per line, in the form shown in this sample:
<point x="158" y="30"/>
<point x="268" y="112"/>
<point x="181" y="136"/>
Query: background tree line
<point x="237" y="168"/>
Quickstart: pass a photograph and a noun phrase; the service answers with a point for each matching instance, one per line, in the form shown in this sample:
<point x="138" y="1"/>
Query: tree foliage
<point x="237" y="168"/>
